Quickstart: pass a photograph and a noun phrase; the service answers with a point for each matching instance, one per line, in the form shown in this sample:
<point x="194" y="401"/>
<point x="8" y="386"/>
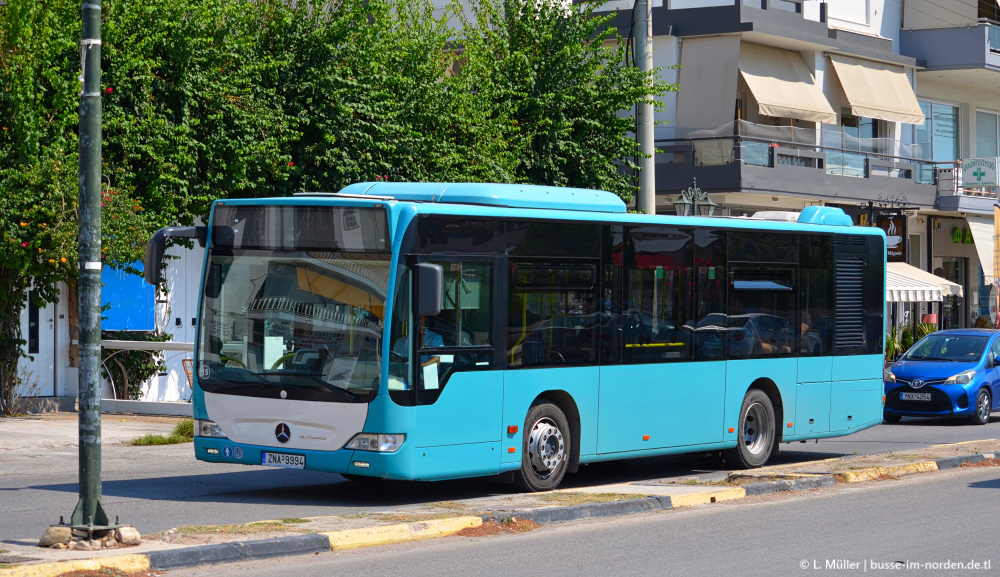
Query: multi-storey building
<point x="869" y="105"/>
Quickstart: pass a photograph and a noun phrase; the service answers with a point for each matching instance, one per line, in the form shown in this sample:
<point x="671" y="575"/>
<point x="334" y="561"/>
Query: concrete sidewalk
<point x="187" y="547"/>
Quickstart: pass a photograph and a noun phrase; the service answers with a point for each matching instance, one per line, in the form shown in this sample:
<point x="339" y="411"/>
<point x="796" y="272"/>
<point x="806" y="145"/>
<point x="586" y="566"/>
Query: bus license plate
<point x="915" y="396"/>
<point x="285" y="460"/>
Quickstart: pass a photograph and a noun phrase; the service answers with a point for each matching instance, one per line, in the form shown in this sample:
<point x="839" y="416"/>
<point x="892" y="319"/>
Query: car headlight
<point x="888" y="377"/>
<point x="376" y="442"/>
<point x="963" y="378"/>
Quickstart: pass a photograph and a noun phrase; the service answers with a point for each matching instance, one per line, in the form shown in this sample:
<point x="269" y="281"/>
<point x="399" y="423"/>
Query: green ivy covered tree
<point x="210" y="99"/>
<point x="555" y="93"/>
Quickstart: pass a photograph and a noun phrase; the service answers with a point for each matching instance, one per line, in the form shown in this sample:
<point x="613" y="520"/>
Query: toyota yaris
<point x="951" y="373"/>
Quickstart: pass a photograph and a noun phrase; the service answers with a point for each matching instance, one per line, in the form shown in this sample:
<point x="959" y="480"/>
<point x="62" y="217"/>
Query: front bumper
<point x="945" y="401"/>
<point x="384" y="465"/>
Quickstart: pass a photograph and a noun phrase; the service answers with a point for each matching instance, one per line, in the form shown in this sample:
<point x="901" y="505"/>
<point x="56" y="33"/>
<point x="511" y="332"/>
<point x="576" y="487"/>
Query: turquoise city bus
<point x="434" y="331"/>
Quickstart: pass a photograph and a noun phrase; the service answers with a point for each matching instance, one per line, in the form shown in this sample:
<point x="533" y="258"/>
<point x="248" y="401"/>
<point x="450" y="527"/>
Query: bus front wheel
<point x="756" y="432"/>
<point x="545" y="449"/>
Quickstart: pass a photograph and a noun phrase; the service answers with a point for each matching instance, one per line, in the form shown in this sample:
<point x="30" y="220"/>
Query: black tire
<point x="983" y="404"/>
<point x="756" y="430"/>
<point x="545" y="450"/>
<point x="891" y="419"/>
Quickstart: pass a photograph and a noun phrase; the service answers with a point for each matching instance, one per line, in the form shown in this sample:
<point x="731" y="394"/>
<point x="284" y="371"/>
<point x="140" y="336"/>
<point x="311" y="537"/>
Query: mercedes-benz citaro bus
<point x="430" y="331"/>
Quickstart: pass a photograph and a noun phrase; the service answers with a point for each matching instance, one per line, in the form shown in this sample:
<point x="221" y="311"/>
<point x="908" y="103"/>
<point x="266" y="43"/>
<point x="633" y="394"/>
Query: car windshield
<point x="948" y="347"/>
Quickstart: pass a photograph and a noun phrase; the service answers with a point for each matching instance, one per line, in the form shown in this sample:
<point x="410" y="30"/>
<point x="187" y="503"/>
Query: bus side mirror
<point x="153" y="258"/>
<point x="430" y="284"/>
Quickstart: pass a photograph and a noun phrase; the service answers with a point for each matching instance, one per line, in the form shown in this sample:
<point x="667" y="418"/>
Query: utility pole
<point x="643" y="35"/>
<point x="89" y="512"/>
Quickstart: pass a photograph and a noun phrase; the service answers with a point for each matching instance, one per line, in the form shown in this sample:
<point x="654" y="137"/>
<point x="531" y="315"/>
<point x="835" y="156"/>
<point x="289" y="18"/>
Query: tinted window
<point x="553" y="239"/>
<point x="763" y="246"/>
<point x="656" y="268"/>
<point x="458" y="235"/>
<point x="319" y="228"/>
<point x="816" y="295"/>
<point x="710" y="294"/>
<point x="761" y="312"/>
<point x="553" y="315"/>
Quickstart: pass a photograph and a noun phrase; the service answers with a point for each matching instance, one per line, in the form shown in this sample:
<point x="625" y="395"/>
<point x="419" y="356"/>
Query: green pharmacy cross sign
<point x="977" y="172"/>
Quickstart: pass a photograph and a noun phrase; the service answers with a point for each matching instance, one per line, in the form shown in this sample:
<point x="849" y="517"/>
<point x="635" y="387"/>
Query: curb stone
<point x="350" y="538"/>
<point x="239" y="551"/>
<point x="870" y="473"/>
<point x="803" y="484"/>
<point x="954" y="462"/>
<point x="586" y="511"/>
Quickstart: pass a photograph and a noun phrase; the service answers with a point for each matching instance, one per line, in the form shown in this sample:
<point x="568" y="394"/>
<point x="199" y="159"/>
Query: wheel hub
<point x="546" y="447"/>
<point x="754" y="434"/>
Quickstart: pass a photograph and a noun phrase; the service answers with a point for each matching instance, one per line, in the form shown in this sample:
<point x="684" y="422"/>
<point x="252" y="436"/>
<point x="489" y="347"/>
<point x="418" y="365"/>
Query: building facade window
<point x="937" y="137"/>
<point x="986" y="133"/>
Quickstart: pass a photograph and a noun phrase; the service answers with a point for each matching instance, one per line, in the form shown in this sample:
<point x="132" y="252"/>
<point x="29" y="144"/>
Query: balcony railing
<point x="834" y="152"/>
<point x="994" y="33"/>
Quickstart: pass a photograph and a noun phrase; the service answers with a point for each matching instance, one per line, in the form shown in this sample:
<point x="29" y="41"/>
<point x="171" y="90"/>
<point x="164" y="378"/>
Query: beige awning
<point x="982" y="235"/>
<point x="877" y="90"/>
<point x="905" y="283"/>
<point x="782" y="84"/>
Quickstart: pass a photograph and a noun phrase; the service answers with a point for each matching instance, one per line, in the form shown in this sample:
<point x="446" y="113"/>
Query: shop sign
<point x="977" y="172"/>
<point x="894" y="226"/>
<point x="961" y="235"/>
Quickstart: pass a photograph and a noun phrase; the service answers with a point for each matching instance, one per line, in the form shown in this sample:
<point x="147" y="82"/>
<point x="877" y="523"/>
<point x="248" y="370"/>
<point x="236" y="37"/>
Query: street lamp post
<point x="694" y="200"/>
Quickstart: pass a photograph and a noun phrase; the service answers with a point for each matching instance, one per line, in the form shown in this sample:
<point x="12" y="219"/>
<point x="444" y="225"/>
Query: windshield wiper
<point x="313" y="379"/>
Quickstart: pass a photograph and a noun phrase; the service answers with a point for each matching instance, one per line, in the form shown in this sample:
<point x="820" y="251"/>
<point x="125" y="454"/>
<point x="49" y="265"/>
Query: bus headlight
<point x="376" y="442"/>
<point x="203" y="428"/>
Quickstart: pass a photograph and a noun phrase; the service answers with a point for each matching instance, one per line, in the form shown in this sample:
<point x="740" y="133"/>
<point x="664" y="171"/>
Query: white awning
<point x="783" y="85"/>
<point x="982" y="235"/>
<point x="877" y="90"/>
<point x="909" y="284"/>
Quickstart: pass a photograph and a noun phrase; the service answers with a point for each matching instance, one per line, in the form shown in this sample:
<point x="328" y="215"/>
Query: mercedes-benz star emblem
<point x="916" y="383"/>
<point x="282" y="433"/>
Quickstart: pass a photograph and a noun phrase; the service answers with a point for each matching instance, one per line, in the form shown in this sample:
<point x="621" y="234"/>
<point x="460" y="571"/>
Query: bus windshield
<point x="289" y="323"/>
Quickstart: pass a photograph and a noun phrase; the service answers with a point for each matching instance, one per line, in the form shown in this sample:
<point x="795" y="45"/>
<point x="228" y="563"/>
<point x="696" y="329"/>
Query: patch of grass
<point x="292" y="520"/>
<point x="183" y="433"/>
<point x="449" y="505"/>
<point x="6" y="566"/>
<point x="399" y="517"/>
<point x="739" y="480"/>
<point x="571" y="498"/>
<point x="244" y="529"/>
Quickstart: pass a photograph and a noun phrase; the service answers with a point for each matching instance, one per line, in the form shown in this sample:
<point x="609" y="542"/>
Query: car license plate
<point x="915" y="396"/>
<point x="285" y="460"/>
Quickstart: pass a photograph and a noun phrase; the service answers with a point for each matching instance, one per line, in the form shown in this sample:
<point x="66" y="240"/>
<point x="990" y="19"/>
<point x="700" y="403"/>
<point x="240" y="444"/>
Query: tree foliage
<point x="209" y="99"/>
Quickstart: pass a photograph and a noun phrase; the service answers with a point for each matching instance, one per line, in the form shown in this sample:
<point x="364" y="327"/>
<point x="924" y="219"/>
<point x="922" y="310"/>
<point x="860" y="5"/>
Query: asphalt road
<point x="920" y="525"/>
<point x="157" y="488"/>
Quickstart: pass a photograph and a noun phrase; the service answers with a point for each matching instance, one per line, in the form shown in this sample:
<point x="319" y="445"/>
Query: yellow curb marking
<point x="897" y="471"/>
<point x="964" y="443"/>
<point x="368" y="536"/>
<point x="124" y="563"/>
<point x="693" y="499"/>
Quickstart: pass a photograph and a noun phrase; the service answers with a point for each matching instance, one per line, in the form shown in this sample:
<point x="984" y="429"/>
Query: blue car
<point x="951" y="373"/>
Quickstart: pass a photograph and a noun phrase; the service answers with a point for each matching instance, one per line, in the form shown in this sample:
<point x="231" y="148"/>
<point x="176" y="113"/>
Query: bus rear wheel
<point x="545" y="449"/>
<point x="756" y="432"/>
